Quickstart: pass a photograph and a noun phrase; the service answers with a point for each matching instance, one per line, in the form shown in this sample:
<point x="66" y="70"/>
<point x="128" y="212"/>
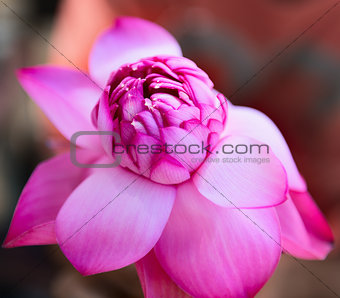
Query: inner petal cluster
<point x="158" y="105"/>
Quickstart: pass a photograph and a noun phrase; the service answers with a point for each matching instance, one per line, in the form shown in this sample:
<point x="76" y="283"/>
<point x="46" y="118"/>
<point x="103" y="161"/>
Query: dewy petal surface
<point x="41" y="199"/>
<point x="253" y="123"/>
<point x="243" y="184"/>
<point x="155" y="282"/>
<point x="112" y="219"/>
<point x="127" y="41"/>
<point x="305" y="232"/>
<point x="211" y="251"/>
<point x="66" y="96"/>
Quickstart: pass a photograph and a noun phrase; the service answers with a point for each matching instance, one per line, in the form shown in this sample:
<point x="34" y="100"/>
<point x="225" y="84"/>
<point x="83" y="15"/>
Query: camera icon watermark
<point x="73" y="149"/>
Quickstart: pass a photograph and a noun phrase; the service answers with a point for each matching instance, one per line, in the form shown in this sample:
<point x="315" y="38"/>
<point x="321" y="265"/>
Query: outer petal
<point x="211" y="251"/>
<point x="250" y="122"/>
<point x="112" y="219"/>
<point x="104" y="121"/>
<point x="66" y="96"/>
<point x="155" y="282"/>
<point x="129" y="40"/>
<point x="240" y="181"/>
<point x="305" y="232"/>
<point x="44" y="194"/>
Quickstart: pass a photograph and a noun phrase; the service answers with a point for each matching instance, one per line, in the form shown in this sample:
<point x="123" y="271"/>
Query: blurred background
<point x="231" y="41"/>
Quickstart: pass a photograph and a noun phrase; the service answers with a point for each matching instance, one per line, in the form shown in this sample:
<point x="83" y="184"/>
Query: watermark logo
<point x="241" y="153"/>
<point x="73" y="149"/>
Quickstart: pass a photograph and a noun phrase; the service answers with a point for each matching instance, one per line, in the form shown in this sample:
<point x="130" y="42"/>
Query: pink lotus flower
<point x="192" y="226"/>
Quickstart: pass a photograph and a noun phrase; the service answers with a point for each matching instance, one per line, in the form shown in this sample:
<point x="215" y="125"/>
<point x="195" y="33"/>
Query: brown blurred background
<point x="231" y="41"/>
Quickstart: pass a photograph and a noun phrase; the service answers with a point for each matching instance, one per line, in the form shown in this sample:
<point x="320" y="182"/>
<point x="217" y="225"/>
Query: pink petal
<point x="183" y="113"/>
<point x="211" y="251"/>
<point x="127" y="41"/>
<point x="200" y="91"/>
<point x="148" y="122"/>
<point x="66" y="96"/>
<point x="311" y="215"/>
<point x="179" y="149"/>
<point x="167" y="170"/>
<point x="112" y="219"/>
<point x="145" y="161"/>
<point x="250" y="122"/>
<point x="44" y="194"/>
<point x="155" y="282"/>
<point x="239" y="183"/>
<point x="105" y="122"/>
<point x="305" y="232"/>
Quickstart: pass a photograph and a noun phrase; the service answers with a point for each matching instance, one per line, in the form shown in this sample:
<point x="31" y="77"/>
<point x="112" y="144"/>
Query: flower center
<point x="158" y="101"/>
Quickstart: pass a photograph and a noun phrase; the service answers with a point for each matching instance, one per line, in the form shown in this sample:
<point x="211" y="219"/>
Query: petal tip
<point x="6" y="244"/>
<point x="21" y="72"/>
